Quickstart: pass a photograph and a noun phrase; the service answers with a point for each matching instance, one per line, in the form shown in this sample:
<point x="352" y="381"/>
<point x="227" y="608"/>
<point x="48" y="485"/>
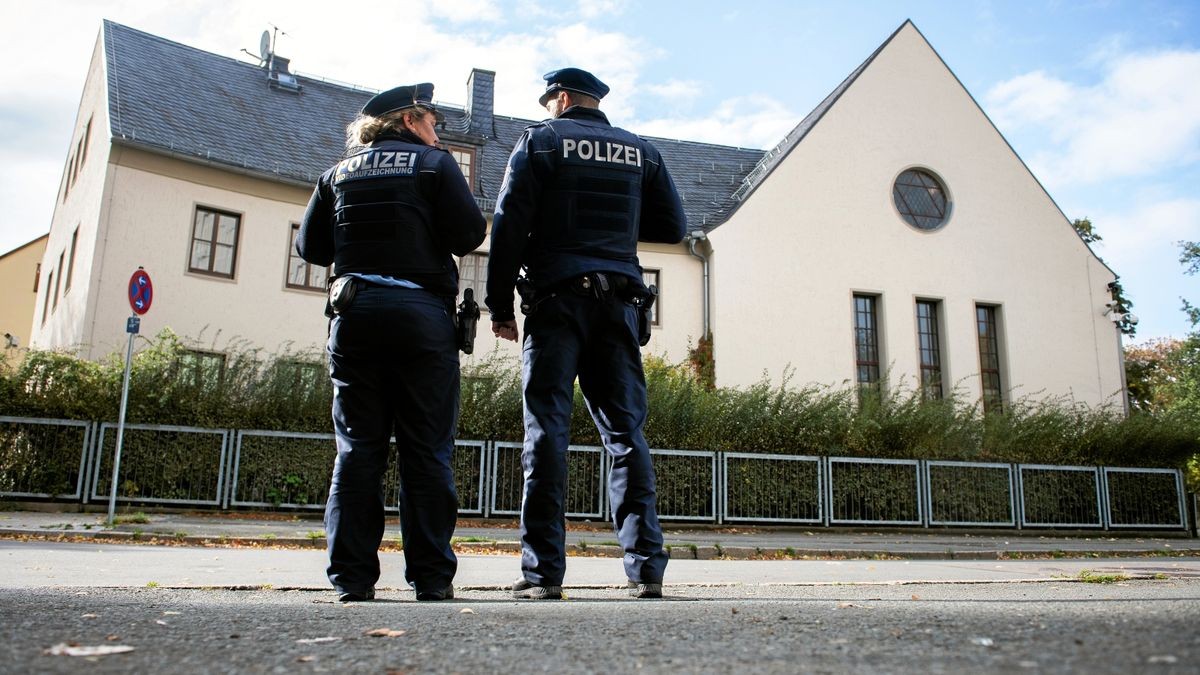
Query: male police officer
<point x="388" y="217"/>
<point x="577" y="196"/>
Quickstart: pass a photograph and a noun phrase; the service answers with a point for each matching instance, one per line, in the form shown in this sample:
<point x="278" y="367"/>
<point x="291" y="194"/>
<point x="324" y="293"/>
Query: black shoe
<point x="645" y="590"/>
<point x="527" y="590"/>
<point x="357" y="596"/>
<point x="446" y="593"/>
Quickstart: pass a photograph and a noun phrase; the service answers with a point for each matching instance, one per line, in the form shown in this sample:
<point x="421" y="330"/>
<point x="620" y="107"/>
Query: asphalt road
<point x="1049" y="627"/>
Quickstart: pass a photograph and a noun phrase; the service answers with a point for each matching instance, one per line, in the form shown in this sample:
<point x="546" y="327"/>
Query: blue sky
<point x="1100" y="98"/>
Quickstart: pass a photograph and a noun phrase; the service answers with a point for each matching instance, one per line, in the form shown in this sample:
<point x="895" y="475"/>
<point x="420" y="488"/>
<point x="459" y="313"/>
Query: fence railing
<point x="71" y="460"/>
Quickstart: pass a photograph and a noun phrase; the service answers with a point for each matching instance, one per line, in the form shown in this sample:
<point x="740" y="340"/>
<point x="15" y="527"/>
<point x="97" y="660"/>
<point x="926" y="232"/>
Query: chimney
<point x="481" y="97"/>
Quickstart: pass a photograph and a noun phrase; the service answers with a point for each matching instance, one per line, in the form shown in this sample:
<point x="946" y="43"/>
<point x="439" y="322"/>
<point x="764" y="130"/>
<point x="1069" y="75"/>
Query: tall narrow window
<point x="300" y="273"/>
<point x="57" y="281"/>
<point x="472" y="273"/>
<point x="653" y="277"/>
<point x="37" y="277"/>
<point x="989" y="358"/>
<point x="866" y="340"/>
<point x="71" y="260"/>
<point x="214" y="242"/>
<point x="930" y="345"/>
<point x="46" y="302"/>
<point x="466" y="161"/>
<point x="87" y="137"/>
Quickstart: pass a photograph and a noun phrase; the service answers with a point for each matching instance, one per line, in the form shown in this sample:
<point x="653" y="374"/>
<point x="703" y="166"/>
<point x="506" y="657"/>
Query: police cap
<point x="572" y="79"/>
<point x="407" y="96"/>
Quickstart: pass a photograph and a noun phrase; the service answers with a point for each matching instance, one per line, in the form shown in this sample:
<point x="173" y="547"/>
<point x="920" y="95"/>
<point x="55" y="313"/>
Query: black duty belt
<point x="599" y="285"/>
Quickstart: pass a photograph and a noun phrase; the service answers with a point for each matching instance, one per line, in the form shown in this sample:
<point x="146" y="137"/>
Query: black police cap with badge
<point x="572" y="79"/>
<point x="399" y="98"/>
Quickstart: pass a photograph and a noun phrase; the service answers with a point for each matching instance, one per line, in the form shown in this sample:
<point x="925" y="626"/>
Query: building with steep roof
<point x="892" y="235"/>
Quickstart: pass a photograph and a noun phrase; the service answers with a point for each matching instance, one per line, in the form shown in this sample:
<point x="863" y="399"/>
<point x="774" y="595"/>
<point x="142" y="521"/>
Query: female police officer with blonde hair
<point x="388" y="217"/>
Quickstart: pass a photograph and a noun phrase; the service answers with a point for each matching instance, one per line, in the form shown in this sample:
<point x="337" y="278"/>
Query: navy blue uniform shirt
<point x="530" y="176"/>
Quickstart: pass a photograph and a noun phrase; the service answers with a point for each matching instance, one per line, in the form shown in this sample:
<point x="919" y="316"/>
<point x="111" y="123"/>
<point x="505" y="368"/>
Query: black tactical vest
<point x="382" y="223"/>
<point x="593" y="204"/>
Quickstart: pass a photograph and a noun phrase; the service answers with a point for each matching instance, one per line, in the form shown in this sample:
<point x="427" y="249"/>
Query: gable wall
<point x="822" y="226"/>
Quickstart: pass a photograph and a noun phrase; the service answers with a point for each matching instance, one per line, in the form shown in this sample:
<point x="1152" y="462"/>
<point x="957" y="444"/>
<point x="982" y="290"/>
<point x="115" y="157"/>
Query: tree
<point x="1189" y="257"/>
<point x="1087" y="232"/>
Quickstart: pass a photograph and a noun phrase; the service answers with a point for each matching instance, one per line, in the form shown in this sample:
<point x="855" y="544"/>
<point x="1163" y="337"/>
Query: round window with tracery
<point x="921" y="199"/>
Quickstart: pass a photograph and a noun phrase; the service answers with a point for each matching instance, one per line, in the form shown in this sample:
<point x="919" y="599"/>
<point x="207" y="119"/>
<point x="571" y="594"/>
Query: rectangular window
<point x="472" y="273"/>
<point x="46" y="302"/>
<point x="201" y="369"/>
<point x="866" y="340"/>
<point x="58" y="281"/>
<point x="37" y="277"/>
<point x="929" y="343"/>
<point x="214" y="242"/>
<point x="301" y="274"/>
<point x="87" y="137"/>
<point x="79" y="154"/>
<point x="71" y="260"/>
<point x="466" y="161"/>
<point x="989" y="358"/>
<point x="654" y="277"/>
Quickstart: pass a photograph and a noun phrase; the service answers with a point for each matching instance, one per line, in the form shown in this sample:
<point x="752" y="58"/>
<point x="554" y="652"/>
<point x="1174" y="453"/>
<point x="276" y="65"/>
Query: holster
<point x="341" y="295"/>
<point x="645" y="306"/>
<point x="467" y="321"/>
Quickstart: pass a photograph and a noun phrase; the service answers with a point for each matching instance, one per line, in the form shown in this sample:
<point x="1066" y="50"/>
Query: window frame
<point x="480" y="262"/>
<point x="931" y="371"/>
<point x="196" y="368"/>
<point x="910" y="219"/>
<point x="874" y="344"/>
<point x="308" y="267"/>
<point x="989" y="344"/>
<point x="471" y="154"/>
<point x="71" y="261"/>
<point x="212" y="242"/>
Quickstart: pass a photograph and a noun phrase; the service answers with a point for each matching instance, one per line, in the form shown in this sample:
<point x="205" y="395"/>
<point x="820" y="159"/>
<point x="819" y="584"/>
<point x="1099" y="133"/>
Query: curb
<point x="676" y="552"/>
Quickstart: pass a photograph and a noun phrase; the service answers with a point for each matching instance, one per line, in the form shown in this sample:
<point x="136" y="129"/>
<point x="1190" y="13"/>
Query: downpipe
<point x="693" y="237"/>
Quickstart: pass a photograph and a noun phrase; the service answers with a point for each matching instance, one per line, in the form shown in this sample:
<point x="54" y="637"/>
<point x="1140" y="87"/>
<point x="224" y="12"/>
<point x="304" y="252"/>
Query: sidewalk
<point x="702" y="542"/>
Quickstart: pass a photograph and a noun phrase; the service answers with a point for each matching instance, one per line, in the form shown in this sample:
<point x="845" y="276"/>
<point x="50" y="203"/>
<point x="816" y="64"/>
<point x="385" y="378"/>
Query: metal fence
<point x="771" y="488"/>
<point x="43" y="458"/>
<point x="1059" y="496"/>
<point x="162" y="464"/>
<point x="873" y="491"/>
<point x="71" y="460"/>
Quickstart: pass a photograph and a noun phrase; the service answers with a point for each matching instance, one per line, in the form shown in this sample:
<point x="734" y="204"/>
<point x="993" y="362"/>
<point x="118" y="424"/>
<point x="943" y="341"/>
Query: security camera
<point x="1112" y="305"/>
<point x="10" y="341"/>
<point x="1132" y="319"/>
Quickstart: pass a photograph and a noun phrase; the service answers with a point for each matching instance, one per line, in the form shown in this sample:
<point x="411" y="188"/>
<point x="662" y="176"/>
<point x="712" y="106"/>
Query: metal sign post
<point x="141" y="294"/>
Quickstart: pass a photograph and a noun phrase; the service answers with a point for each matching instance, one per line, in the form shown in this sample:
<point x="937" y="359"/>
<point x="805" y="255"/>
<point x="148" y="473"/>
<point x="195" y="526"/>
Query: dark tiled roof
<point x="177" y="99"/>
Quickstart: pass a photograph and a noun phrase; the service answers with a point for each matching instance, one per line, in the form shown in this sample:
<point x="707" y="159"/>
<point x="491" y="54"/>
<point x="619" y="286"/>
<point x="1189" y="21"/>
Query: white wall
<point x="823" y="226"/>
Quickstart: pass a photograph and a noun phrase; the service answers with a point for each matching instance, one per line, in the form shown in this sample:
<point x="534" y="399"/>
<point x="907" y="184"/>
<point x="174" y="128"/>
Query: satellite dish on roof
<point x="264" y="45"/>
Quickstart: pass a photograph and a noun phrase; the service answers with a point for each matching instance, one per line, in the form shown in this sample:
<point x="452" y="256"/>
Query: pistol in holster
<point x="341" y="295"/>
<point x="645" y="305"/>
<point x="529" y="296"/>
<point x="467" y="321"/>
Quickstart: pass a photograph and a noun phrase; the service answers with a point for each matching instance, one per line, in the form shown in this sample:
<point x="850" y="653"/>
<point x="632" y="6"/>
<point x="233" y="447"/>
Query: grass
<point x="1090" y="577"/>
<point x="471" y="540"/>
<point x="314" y="535"/>
<point x="152" y="584"/>
<point x="138" y="518"/>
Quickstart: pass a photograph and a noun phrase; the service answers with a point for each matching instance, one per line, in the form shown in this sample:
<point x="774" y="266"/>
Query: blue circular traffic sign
<point x="141" y="292"/>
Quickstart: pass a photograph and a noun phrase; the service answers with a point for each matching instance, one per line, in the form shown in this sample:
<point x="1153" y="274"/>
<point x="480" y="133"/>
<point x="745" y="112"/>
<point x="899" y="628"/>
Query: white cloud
<point x="675" y="89"/>
<point x="464" y="11"/>
<point x="593" y="9"/>
<point x="1142" y="118"/>
<point x="747" y="121"/>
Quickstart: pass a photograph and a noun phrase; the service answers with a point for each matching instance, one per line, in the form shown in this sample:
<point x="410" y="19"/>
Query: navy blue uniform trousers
<point x="569" y="334"/>
<point x="394" y="365"/>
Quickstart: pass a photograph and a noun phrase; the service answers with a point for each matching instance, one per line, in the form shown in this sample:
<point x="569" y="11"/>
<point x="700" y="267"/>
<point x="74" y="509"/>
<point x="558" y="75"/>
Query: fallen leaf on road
<point x="112" y="638"/>
<point x="848" y="605"/>
<point x="171" y="613"/>
<point x="317" y="641"/>
<point x="467" y="610"/>
<point x="89" y="616"/>
<point x="982" y="641"/>
<point x="162" y="623"/>
<point x="1164" y="658"/>
<point x="64" y="649"/>
<point x="306" y="659"/>
<point x="733" y="610"/>
<point x="385" y="632"/>
<point x="916" y="597"/>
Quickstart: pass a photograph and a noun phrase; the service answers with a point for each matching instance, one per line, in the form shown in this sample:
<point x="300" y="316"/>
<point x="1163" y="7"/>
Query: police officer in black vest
<point x="577" y="197"/>
<point x="388" y="217"/>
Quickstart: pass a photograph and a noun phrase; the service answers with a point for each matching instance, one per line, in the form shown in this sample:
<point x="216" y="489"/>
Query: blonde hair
<point x="366" y="128"/>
